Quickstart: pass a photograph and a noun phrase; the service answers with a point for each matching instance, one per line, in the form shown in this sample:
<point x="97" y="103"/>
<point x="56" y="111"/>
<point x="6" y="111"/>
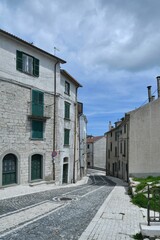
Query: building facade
<point x="38" y="112"/>
<point x="96" y="152"/>
<point x="133" y="144"/>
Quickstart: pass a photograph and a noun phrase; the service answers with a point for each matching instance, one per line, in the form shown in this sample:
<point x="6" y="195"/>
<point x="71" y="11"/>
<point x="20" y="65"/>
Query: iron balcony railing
<point x="35" y="110"/>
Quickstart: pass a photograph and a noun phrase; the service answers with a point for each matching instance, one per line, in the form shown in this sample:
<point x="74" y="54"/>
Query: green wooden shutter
<point x="37" y="129"/>
<point x="37" y="103"/>
<point x="19" y="61"/>
<point x="66" y="136"/>
<point x="67" y="110"/>
<point x="36" y="67"/>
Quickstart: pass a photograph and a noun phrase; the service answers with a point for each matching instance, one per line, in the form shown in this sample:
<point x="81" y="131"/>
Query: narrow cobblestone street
<point x="54" y="214"/>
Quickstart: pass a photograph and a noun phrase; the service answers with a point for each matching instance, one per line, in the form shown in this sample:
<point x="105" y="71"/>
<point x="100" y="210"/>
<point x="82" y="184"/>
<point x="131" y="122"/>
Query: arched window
<point x="9" y="169"/>
<point x="36" y="167"/>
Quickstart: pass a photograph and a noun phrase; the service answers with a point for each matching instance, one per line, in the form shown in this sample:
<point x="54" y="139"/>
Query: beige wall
<point x="99" y="153"/>
<point x="144" y="140"/>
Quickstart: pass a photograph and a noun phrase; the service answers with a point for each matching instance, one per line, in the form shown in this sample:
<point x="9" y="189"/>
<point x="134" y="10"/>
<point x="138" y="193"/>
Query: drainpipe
<point x="75" y="140"/>
<point x="54" y="117"/>
<point x="158" y="86"/>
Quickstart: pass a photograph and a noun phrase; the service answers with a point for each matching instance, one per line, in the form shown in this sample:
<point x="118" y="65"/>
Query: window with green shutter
<point x="67" y="110"/>
<point x="37" y="103"/>
<point x="37" y="129"/>
<point x="27" y="64"/>
<point x="66" y="136"/>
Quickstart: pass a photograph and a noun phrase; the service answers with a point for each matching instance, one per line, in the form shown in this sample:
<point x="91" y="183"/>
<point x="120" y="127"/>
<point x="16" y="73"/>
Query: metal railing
<point x="39" y="110"/>
<point x="153" y="209"/>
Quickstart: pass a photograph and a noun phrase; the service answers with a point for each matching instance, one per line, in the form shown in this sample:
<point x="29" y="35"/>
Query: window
<point x="67" y="110"/>
<point x="27" y="64"/>
<point x="125" y="128"/>
<point x="124" y="147"/>
<point x="115" y="151"/>
<point x="66" y="136"/>
<point x="111" y="146"/>
<point x="121" y="147"/>
<point x="67" y="88"/>
<point x="37" y="129"/>
<point x="37" y="103"/>
<point x="88" y="146"/>
<point x="108" y="154"/>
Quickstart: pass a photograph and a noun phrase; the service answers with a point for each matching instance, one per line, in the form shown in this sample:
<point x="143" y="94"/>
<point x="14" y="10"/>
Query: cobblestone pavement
<point x="54" y="214"/>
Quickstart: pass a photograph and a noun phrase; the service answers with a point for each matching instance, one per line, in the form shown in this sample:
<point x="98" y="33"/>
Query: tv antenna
<point x="56" y="49"/>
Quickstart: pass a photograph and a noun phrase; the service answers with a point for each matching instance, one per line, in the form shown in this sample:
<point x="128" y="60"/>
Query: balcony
<point x="38" y="111"/>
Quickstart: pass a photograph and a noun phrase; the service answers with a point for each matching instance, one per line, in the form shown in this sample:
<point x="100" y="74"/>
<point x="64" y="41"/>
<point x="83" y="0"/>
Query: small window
<point x="115" y="151"/>
<point x="27" y="64"/>
<point x="67" y="88"/>
<point x="88" y="146"/>
<point x="66" y="136"/>
<point x="108" y="154"/>
<point x="37" y="129"/>
<point x="121" y="147"/>
<point x="67" y="110"/>
<point x="111" y="146"/>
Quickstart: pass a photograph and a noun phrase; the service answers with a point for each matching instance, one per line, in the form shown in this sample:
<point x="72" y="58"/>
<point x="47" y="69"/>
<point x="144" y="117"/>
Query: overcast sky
<point x="112" y="47"/>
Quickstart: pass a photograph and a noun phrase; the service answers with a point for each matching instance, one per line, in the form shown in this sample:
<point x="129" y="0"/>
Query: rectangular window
<point x="67" y="110"/>
<point x="124" y="147"/>
<point x="111" y="146"/>
<point x="37" y="129"/>
<point x="115" y="151"/>
<point x="88" y="146"/>
<point x="27" y="64"/>
<point x="120" y="147"/>
<point x="66" y="136"/>
<point x="108" y="154"/>
<point x="125" y="128"/>
<point x="37" y="103"/>
<point x="67" y="88"/>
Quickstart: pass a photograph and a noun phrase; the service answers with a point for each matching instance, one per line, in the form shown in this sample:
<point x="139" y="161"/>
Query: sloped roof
<point x="94" y="139"/>
<point x="30" y="45"/>
<point x="73" y="80"/>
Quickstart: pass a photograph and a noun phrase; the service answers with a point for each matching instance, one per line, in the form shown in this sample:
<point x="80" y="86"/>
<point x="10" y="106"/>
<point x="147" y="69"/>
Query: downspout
<point x="128" y="129"/>
<point x="75" y="140"/>
<point x="54" y="117"/>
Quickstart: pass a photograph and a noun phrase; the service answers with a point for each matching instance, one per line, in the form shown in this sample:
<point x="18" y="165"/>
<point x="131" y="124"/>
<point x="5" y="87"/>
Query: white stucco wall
<point x="45" y="81"/>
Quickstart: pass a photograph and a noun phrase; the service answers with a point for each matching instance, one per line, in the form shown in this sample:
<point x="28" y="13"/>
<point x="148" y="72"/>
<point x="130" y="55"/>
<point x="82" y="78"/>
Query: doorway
<point x="9" y="172"/>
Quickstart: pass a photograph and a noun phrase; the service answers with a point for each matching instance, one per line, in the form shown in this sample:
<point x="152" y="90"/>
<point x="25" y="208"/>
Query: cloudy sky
<point x="112" y="47"/>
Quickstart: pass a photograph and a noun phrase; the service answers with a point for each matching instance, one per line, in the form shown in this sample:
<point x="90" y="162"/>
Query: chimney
<point x="153" y="98"/>
<point x="110" y="125"/>
<point x="158" y="86"/>
<point x="149" y="94"/>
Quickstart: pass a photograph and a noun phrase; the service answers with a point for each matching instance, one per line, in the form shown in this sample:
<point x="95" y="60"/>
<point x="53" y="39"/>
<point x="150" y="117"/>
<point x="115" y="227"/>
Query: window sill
<point x="67" y="119"/>
<point x="66" y="145"/>
<point x="37" y="139"/>
<point x="67" y="94"/>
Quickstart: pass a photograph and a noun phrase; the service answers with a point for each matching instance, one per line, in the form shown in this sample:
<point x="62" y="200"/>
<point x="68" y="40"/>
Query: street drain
<point x="64" y="199"/>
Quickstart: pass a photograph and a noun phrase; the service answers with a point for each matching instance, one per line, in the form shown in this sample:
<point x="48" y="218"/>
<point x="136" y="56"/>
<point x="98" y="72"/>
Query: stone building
<point x="133" y="144"/>
<point x="38" y="113"/>
<point x="96" y="152"/>
<point x="82" y="143"/>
